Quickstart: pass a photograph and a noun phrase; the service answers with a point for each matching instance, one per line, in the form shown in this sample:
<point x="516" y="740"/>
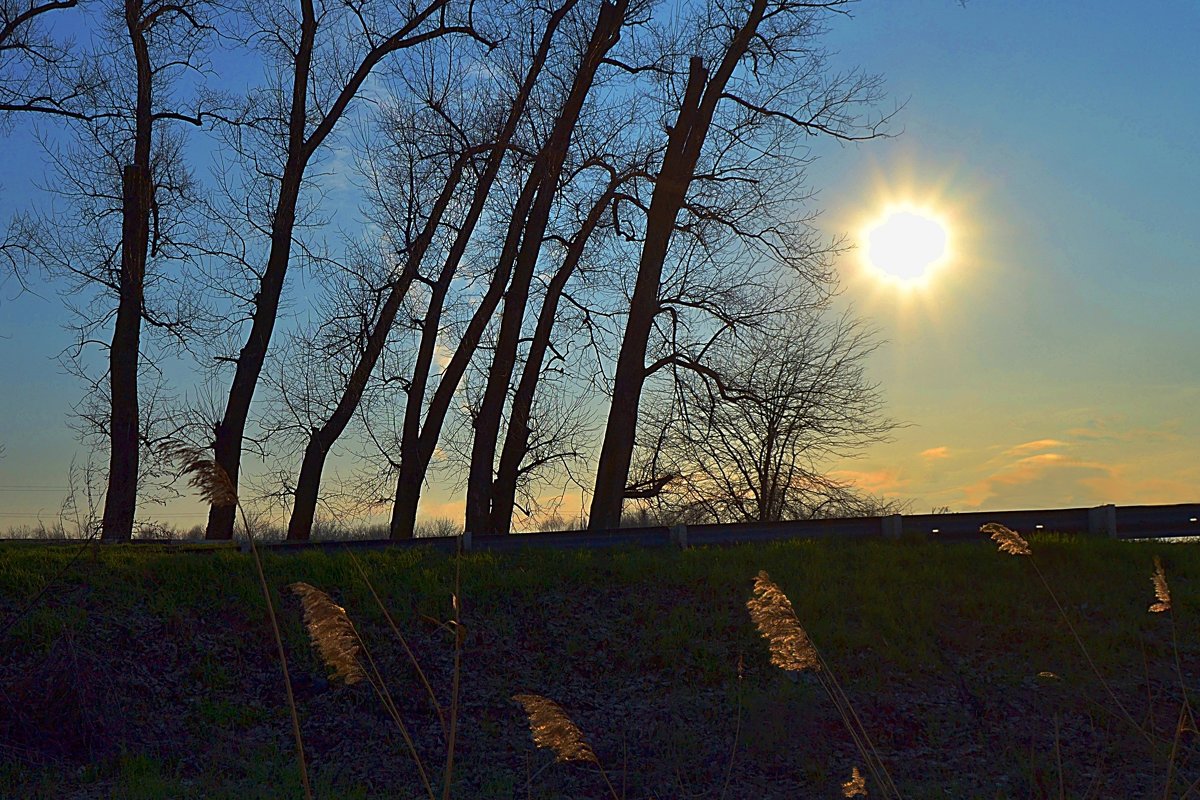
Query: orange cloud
<point x="1041" y="480"/>
<point x="934" y="453"/>
<point x="885" y="481"/>
<point x="431" y="508"/>
<point x="1034" y="446"/>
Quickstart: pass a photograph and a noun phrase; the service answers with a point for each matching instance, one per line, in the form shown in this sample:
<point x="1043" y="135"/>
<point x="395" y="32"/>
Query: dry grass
<point x="791" y="647"/>
<point x="344" y="651"/>
<point x="206" y="475"/>
<point x="793" y="650"/>
<point x="1009" y="540"/>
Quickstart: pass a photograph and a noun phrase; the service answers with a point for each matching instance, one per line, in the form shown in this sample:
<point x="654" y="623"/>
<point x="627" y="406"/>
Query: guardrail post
<point x="892" y="526"/>
<point x="1102" y="521"/>
<point x="679" y="536"/>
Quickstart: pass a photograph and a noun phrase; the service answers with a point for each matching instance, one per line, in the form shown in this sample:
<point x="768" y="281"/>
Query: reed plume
<point x="792" y="649"/>
<point x="553" y="729"/>
<point x="332" y="632"/>
<point x="1162" y="592"/>
<point x="207" y="476"/>
<point x="769" y="607"/>
<point x="856" y="786"/>
<point x="1009" y="540"/>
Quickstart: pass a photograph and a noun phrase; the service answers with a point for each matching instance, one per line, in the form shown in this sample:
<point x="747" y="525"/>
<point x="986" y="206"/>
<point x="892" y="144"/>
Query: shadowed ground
<point x="142" y="673"/>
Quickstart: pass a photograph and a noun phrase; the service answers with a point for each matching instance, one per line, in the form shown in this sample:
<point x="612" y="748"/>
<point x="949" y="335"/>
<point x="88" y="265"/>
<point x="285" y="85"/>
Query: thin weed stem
<point x="287" y="680"/>
<point x="455" y="679"/>
<point x="389" y="705"/>
<point x="1088" y="656"/>
<point x="1062" y="789"/>
<point x="1174" y="750"/>
<point x="858" y="731"/>
<point x="737" y="730"/>
<point x="1185" y="711"/>
<point x="607" y="782"/>
<point x="403" y="642"/>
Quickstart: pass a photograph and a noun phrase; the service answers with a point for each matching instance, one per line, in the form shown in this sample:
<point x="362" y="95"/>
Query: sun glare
<point x="905" y="244"/>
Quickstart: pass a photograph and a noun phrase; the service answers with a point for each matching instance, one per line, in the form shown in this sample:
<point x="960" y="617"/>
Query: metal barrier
<point x="1117" y="522"/>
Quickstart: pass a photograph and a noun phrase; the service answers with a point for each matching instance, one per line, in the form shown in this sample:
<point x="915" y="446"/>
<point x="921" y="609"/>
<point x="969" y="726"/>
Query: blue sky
<point x="1052" y="362"/>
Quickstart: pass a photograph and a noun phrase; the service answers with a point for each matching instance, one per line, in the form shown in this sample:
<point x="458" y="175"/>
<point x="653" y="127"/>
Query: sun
<point x="906" y="244"/>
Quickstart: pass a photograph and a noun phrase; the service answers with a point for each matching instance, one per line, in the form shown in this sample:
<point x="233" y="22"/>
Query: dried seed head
<point x="332" y="632"/>
<point x="1009" y="540"/>
<point x="552" y="728"/>
<point x="856" y="786"/>
<point x="209" y="477"/>
<point x="1161" y="591"/>
<point x="769" y="607"/>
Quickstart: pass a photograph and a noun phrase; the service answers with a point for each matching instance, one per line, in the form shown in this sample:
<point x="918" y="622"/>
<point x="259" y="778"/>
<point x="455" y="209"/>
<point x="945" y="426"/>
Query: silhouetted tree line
<point x="583" y="228"/>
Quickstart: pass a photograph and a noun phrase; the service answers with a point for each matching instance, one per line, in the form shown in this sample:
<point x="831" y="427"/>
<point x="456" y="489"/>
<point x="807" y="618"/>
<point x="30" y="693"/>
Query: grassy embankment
<point x="142" y="673"/>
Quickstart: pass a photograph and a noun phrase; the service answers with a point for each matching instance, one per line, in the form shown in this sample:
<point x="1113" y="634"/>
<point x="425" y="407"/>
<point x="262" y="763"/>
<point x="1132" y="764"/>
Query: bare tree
<point x="525" y="429"/>
<point x="321" y="59"/>
<point x="423" y="421"/>
<point x="437" y="135"/>
<point x="547" y="171"/>
<point x="749" y="437"/>
<point x="128" y="188"/>
<point x="767" y="75"/>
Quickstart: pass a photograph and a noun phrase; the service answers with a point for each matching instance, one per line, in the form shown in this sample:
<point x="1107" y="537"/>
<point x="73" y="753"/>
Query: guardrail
<point x="1118" y="522"/>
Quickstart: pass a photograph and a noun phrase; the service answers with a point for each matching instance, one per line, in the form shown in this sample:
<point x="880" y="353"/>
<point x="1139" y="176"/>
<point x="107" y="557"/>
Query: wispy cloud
<point x="1111" y="429"/>
<point x="1026" y="448"/>
<point x="887" y="481"/>
<point x="1028" y="481"/>
<point x="935" y="453"/>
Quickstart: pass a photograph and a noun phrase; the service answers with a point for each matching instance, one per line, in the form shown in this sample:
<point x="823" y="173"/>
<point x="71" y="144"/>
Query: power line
<point x="35" y="488"/>
<point x="198" y="514"/>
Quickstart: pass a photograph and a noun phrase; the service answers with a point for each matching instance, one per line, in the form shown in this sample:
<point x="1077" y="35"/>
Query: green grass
<point x="961" y="626"/>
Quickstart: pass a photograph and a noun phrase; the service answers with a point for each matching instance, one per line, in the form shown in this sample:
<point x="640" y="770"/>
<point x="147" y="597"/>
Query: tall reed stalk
<point x="215" y="487"/>
<point x="793" y="650"/>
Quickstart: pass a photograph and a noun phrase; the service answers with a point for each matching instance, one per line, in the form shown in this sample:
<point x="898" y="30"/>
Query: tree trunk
<point x="487" y="420"/>
<point x="669" y="192"/>
<point x="120" y="500"/>
<point x="227" y="442"/>
<point x="408" y="492"/>
<point x="227" y="439"/>
<point x="678" y="167"/>
<point x="415" y="447"/>
<point x="516" y="436"/>
<point x="301" y="146"/>
<point x="308" y="485"/>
